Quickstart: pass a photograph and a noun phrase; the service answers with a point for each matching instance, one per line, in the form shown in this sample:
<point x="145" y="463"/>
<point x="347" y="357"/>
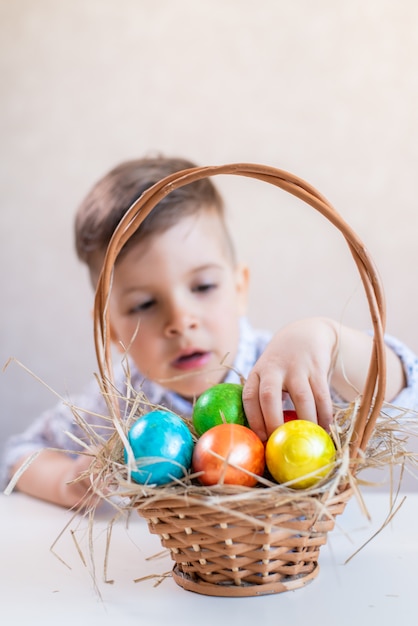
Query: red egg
<point x="289" y="415"/>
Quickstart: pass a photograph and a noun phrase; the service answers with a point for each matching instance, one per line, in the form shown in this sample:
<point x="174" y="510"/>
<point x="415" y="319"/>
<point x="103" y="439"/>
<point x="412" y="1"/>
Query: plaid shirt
<point x="51" y="428"/>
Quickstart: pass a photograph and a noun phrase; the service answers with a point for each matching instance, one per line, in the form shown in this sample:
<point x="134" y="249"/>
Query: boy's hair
<point x="110" y="198"/>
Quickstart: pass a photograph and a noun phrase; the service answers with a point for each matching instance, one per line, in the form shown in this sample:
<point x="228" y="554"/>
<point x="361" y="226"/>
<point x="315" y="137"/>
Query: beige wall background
<point x="327" y="90"/>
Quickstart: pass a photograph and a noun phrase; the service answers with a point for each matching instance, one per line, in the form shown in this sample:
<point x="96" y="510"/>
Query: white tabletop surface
<point x="378" y="586"/>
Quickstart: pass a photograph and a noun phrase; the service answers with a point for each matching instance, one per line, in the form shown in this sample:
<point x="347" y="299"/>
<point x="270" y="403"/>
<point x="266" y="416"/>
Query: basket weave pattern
<point x="248" y="541"/>
<point x="219" y="554"/>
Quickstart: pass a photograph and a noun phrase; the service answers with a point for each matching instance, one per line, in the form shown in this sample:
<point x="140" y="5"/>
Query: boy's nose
<point x="179" y="321"/>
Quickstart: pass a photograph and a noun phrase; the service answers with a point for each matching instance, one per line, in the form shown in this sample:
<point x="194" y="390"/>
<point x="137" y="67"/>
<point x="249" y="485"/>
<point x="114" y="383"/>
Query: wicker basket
<point x="228" y="541"/>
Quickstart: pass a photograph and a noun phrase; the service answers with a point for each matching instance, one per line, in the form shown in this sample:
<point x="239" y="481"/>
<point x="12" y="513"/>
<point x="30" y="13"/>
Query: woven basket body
<point x="247" y="547"/>
<point x="249" y="541"/>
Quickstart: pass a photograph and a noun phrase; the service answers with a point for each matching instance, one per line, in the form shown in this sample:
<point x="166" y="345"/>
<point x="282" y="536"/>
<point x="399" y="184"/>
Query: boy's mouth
<point x="191" y="360"/>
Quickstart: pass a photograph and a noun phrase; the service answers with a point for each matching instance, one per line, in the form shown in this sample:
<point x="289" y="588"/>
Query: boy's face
<point x="176" y="302"/>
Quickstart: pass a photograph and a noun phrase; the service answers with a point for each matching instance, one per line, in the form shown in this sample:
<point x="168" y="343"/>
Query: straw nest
<point x="110" y="475"/>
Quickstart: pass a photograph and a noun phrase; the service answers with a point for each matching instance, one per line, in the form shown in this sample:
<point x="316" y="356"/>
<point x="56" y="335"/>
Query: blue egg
<point x="162" y="446"/>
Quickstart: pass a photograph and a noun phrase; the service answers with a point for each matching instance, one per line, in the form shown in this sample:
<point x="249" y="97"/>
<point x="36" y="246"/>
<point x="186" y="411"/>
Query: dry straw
<point x="236" y="541"/>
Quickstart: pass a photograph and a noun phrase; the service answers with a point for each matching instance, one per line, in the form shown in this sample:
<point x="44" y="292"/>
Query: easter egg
<point x="299" y="451"/>
<point x="217" y="405"/>
<point x="289" y="415"/>
<point x="229" y="454"/>
<point x="162" y="446"/>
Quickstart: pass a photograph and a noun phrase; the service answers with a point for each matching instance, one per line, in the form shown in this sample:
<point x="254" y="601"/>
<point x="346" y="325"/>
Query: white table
<point x="378" y="586"/>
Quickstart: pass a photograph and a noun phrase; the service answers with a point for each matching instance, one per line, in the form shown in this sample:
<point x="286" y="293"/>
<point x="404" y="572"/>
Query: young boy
<point x="178" y="305"/>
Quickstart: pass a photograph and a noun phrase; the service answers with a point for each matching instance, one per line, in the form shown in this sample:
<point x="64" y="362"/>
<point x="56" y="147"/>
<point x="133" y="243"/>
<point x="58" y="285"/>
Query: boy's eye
<point x="204" y="287"/>
<point x="143" y="306"/>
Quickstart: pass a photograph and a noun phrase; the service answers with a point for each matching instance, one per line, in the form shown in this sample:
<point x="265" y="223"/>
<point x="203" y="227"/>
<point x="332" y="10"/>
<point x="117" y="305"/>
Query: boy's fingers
<point x="303" y="401"/>
<point x="263" y="405"/>
<point x="252" y="406"/>
<point x="313" y="403"/>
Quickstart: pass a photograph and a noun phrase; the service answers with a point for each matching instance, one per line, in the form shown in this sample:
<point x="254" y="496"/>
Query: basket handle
<point x="373" y="394"/>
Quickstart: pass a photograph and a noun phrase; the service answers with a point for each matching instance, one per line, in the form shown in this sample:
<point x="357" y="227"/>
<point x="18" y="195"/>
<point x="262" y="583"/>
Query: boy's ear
<point x="242" y="273"/>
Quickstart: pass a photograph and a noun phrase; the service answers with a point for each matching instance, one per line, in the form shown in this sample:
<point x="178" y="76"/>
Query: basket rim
<point x="187" y="582"/>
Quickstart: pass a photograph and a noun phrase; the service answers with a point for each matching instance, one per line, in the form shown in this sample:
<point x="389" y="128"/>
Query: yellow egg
<point x="299" y="451"/>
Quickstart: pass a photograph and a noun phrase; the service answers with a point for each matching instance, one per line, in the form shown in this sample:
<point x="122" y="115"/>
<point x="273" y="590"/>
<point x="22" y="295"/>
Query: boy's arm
<point x="304" y="359"/>
<point x="49" y="476"/>
<point x="352" y="363"/>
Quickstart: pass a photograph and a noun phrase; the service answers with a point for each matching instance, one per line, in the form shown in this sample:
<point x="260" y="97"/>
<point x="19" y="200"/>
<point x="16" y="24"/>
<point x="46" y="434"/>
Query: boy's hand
<point x="298" y="361"/>
<point x="76" y="481"/>
<point x="55" y="477"/>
